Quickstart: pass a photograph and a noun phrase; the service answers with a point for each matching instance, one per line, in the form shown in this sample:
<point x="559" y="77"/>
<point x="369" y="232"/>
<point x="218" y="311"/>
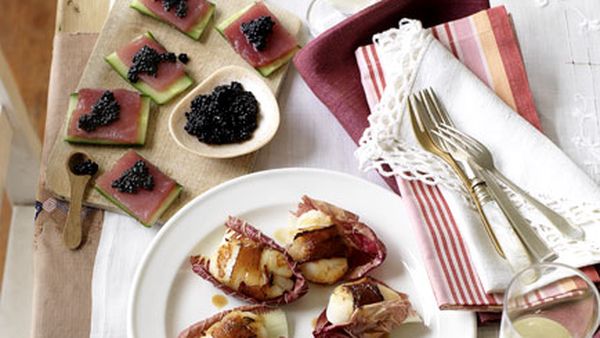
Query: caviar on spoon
<point x="81" y="168"/>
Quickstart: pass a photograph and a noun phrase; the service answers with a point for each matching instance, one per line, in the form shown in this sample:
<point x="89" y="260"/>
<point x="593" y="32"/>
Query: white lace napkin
<point x="412" y="60"/>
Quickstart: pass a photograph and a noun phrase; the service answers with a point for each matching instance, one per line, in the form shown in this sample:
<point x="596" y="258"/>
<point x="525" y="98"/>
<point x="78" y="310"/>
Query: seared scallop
<point x="241" y="322"/>
<point x="330" y="244"/>
<point x="251" y="266"/>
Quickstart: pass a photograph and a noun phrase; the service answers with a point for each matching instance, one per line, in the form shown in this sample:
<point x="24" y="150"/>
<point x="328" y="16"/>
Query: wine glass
<point x="550" y="300"/>
<point x="324" y="14"/>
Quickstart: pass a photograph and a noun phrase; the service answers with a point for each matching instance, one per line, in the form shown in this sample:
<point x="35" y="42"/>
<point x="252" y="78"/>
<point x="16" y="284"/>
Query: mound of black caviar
<point x="87" y="167"/>
<point x="180" y="7"/>
<point x="257" y="31"/>
<point x="104" y="112"/>
<point x="135" y="178"/>
<point x="227" y="115"/>
<point x="146" y="61"/>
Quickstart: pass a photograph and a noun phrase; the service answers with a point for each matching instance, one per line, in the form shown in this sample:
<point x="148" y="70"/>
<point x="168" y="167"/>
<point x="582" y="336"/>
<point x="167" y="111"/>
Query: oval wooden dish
<point x="268" y="119"/>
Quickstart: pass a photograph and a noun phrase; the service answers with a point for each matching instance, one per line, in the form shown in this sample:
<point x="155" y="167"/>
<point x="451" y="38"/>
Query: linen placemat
<point x="62" y="278"/>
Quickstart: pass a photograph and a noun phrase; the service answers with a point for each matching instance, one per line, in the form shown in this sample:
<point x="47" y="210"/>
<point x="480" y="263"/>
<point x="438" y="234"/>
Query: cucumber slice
<point x="144" y="117"/>
<point x="263" y="70"/>
<point x="142" y="128"/>
<point x="275" y="323"/>
<point x="160" y="97"/>
<point x="140" y="7"/>
<point x="73" y="98"/>
<point x="278" y="63"/>
<point x="195" y="32"/>
<point x="223" y="25"/>
<point x="147" y="223"/>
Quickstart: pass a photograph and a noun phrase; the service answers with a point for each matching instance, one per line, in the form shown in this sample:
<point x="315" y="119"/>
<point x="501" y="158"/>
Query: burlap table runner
<point x="62" y="278"/>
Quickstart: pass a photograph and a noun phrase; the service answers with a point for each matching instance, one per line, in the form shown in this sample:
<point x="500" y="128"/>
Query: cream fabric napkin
<point x="413" y="60"/>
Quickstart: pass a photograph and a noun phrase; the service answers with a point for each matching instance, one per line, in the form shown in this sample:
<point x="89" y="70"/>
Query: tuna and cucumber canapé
<point x="139" y="188"/>
<point x="150" y="68"/>
<point x="101" y="116"/>
<point x="189" y="16"/>
<point x="259" y="38"/>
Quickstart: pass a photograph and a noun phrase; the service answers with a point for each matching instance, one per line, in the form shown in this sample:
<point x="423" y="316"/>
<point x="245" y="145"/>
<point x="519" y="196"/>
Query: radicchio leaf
<point x="368" y="321"/>
<point x="200" y="265"/>
<point x="368" y="252"/>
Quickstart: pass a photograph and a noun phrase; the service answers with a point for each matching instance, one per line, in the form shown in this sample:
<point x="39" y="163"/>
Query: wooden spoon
<point x="268" y="120"/>
<point x="72" y="233"/>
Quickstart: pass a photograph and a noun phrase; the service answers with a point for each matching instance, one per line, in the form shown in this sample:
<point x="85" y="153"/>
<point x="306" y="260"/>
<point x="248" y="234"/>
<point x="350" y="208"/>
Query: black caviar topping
<point x="147" y="60"/>
<point x="179" y="5"/>
<point x="257" y="31"/>
<point x="183" y="58"/>
<point x="87" y="167"/>
<point x="227" y="115"/>
<point x="104" y="112"/>
<point x="134" y="178"/>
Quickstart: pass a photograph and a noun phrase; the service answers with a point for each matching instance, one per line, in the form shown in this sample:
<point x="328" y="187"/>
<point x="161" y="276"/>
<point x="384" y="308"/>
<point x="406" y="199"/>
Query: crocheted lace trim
<point x="382" y="146"/>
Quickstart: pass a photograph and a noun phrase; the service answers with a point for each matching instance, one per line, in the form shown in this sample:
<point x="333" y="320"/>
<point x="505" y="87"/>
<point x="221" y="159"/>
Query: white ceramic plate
<point x="167" y="296"/>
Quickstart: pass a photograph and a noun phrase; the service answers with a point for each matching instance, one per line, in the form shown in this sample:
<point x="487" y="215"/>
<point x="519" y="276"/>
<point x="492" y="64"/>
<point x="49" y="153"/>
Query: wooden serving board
<point x="195" y="173"/>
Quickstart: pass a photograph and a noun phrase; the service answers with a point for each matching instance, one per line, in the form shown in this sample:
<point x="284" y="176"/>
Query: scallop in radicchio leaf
<point x="364" y="308"/>
<point x="244" y="321"/>
<point x="252" y="267"/>
<point x="331" y="244"/>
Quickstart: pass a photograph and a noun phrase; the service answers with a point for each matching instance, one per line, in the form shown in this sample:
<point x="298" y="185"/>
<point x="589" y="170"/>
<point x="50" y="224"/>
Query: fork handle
<point x="564" y="226"/>
<point x="478" y="204"/>
<point x="540" y="251"/>
<point x="515" y="253"/>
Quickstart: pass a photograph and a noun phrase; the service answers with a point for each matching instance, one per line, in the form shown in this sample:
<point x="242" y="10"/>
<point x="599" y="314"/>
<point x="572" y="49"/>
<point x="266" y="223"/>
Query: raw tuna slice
<point x="280" y="44"/>
<point x="257" y="318"/>
<point x="130" y="128"/>
<point x="170" y="79"/>
<point x="197" y="17"/>
<point x="145" y="205"/>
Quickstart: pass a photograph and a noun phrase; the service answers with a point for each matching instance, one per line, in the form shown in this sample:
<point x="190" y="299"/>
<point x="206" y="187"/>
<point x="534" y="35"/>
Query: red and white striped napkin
<point x="485" y="43"/>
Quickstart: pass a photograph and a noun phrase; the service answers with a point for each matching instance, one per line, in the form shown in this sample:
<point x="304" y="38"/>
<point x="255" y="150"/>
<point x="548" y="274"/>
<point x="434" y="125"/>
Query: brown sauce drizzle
<point x="219" y="301"/>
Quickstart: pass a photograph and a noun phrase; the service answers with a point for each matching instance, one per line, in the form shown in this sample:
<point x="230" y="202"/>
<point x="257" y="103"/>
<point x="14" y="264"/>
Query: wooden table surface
<point x="86" y="16"/>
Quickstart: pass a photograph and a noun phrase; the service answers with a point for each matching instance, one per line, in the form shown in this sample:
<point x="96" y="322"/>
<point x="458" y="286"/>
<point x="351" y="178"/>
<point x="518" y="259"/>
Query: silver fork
<point x="484" y="159"/>
<point x="536" y="246"/>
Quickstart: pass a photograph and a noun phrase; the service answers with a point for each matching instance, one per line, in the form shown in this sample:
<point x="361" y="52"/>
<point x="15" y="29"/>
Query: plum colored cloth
<point x="335" y="78"/>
